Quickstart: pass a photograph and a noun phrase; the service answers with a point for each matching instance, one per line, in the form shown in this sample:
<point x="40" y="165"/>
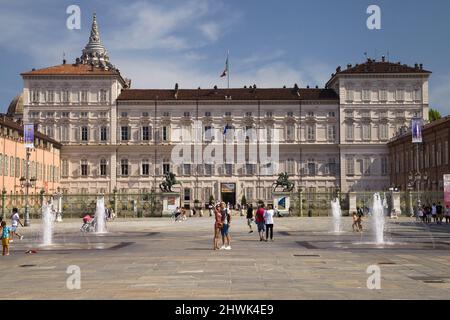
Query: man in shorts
<point x="259" y="219"/>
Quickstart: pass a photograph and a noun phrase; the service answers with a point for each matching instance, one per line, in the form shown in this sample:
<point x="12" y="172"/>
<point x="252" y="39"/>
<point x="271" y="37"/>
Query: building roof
<point x="72" y="69"/>
<point x="16" y="106"/>
<point x="8" y="122"/>
<point x="225" y="94"/>
<point x="372" y="66"/>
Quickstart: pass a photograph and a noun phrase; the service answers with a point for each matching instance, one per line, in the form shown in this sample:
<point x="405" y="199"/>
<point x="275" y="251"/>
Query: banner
<point x="416" y="128"/>
<point x="28" y="134"/>
<point x="447" y="190"/>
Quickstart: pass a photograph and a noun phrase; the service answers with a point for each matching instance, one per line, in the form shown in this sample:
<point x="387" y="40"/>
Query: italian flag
<point x="225" y="72"/>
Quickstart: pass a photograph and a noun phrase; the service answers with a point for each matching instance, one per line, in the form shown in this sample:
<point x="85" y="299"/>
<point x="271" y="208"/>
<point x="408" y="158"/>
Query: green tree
<point x="434" y="115"/>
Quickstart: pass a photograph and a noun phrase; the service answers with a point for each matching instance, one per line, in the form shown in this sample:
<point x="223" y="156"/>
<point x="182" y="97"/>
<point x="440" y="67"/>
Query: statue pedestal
<point x="282" y="202"/>
<point x="170" y="201"/>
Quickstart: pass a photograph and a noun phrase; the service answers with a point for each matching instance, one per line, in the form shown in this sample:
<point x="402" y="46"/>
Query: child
<point x="359" y="222"/>
<point x="355" y="222"/>
<point x="15" y="221"/>
<point x="5" y="238"/>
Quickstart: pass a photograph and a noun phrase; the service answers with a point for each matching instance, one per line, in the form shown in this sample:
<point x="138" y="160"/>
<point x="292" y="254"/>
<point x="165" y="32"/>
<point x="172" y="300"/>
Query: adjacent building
<point x="329" y="138"/>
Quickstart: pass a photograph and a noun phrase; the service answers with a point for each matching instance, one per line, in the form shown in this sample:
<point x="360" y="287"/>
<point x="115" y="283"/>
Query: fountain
<point x="378" y="218"/>
<point x="100" y="217"/>
<point x="47" y="224"/>
<point x="336" y="210"/>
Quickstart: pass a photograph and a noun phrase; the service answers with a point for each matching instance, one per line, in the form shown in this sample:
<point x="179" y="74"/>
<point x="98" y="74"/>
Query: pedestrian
<point x="359" y="222"/>
<point x="440" y="213"/>
<point x="210" y="209"/>
<point x="15" y="221"/>
<point x="429" y="214"/>
<point x="217" y="226"/>
<point x="226" y="222"/>
<point x="447" y="214"/>
<point x="420" y="214"/>
<point x="5" y="238"/>
<point x="250" y="217"/>
<point x="268" y="219"/>
<point x="259" y="219"/>
<point x="355" y="222"/>
<point x="434" y="212"/>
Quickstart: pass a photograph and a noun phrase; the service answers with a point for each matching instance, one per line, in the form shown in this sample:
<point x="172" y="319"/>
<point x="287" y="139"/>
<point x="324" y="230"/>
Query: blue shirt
<point x="5" y="232"/>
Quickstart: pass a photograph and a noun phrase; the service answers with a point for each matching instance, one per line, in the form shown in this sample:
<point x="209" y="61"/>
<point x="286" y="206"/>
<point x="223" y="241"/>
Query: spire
<point x="94" y="52"/>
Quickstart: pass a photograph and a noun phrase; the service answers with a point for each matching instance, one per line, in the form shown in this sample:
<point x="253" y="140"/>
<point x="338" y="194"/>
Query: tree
<point x="434" y="115"/>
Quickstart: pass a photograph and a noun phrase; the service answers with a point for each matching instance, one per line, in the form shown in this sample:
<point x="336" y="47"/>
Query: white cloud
<point x="440" y="93"/>
<point x="210" y="30"/>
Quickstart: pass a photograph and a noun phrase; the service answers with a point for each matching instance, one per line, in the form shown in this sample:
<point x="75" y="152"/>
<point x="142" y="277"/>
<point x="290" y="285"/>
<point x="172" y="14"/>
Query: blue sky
<point x="271" y="42"/>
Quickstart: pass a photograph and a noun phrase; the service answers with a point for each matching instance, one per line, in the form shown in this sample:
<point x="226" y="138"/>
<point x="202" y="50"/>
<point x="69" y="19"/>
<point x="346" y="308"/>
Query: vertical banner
<point x="416" y="128"/>
<point x="28" y="133"/>
<point x="447" y="189"/>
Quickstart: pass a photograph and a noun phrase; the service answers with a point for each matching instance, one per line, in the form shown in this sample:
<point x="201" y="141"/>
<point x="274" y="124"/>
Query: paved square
<point x="160" y="259"/>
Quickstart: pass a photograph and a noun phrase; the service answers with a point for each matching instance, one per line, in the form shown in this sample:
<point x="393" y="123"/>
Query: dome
<point x="16" y="106"/>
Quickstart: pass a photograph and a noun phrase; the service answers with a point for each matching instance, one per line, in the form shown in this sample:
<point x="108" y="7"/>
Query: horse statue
<point x="168" y="182"/>
<point x="283" y="181"/>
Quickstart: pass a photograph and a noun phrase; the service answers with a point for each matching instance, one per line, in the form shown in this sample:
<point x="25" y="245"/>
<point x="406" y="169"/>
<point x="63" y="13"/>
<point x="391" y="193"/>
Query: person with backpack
<point x="259" y="219"/>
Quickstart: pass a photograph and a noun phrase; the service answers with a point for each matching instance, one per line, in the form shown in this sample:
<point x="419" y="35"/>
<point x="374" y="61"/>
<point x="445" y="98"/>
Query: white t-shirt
<point x="15" y="219"/>
<point x="268" y="216"/>
<point x="433" y="210"/>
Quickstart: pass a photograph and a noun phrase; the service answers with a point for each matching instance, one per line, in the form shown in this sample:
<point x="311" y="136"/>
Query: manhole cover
<point x="306" y="255"/>
<point x="27" y="265"/>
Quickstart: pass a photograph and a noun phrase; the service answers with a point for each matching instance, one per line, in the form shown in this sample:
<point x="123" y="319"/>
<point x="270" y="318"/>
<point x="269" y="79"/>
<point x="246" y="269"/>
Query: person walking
<point x="434" y="212"/>
<point x="217" y="226"/>
<point x="15" y="221"/>
<point x="268" y="219"/>
<point x="250" y="217"/>
<point x="447" y="214"/>
<point x="440" y="213"/>
<point x="259" y="219"/>
<point x="5" y="238"/>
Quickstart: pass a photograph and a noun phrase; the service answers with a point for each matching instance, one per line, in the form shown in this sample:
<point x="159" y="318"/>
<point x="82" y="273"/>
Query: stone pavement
<point x="160" y="259"/>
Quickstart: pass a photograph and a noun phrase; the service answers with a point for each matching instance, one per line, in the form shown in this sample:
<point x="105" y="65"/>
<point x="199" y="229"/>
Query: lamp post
<point x="414" y="180"/>
<point x="58" y="198"/>
<point x="27" y="182"/>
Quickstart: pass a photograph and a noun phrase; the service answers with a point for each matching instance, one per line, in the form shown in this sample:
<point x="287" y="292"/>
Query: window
<point x="400" y="95"/>
<point x="269" y="134"/>
<point x="49" y="131"/>
<point x="50" y="96"/>
<point x="290" y="166"/>
<point x="65" y="169"/>
<point x="366" y="94"/>
<point x="290" y="132"/>
<point x="165" y="133"/>
<point x="145" y="167"/>
<point x="311" y="132"/>
<point x="367" y="163"/>
<point x="208" y="133"/>
<point x="84" y="96"/>
<point x="145" y="133"/>
<point x="207" y="114"/>
<point x="11" y="172"/>
<point x="349" y="131"/>
<point x="290" y="114"/>
<point x="84" y="133"/>
<point x="65" y="114"/>
<point x="166" y="168"/>
<point x="383" y="95"/>
<point x="187" y="194"/>
<point x="439" y="154"/>
<point x="124" y="133"/>
<point x="103" y="166"/>
<point x="249" y="169"/>
<point x="433" y="155"/>
<point x="208" y="169"/>
<point x="50" y="115"/>
<point x="124" y="114"/>
<point x="331" y="114"/>
<point x="331" y="133"/>
<point x="228" y="169"/>
<point x="124" y="169"/>
<point x="102" y="95"/>
<point x="445" y="153"/>
<point x="248" y="114"/>
<point x="417" y="96"/>
<point x="6" y="165"/>
<point x="103" y="133"/>
<point x="84" y="168"/>
<point x="145" y="114"/>
<point x="310" y="114"/>
<point x="187" y="169"/>
<point x="384" y="166"/>
<point x="384" y="131"/>
<point x="228" y="114"/>
<point x="366" y="135"/>
<point x="65" y="96"/>
<point x="186" y="114"/>
<point x="332" y="166"/>
<point x="166" y="114"/>
<point x="269" y="114"/>
<point x="311" y="167"/>
<point x="350" y="95"/>
<point x="350" y="166"/>
<point x="34" y="95"/>
<point x="84" y="114"/>
<point x="34" y="115"/>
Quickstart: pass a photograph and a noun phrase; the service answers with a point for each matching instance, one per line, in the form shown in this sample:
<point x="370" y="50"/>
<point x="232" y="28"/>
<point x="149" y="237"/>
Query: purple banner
<point x="28" y="134"/>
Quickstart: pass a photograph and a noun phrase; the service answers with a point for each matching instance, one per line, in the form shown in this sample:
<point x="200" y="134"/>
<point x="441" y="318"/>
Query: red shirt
<point x="259" y="217"/>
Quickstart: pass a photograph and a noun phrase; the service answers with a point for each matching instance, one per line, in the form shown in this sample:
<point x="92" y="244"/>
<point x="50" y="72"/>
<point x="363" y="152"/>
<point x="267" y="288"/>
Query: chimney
<point x="176" y="91"/>
<point x="421" y="66"/>
<point x="338" y="69"/>
<point x="349" y="66"/>
<point x="383" y="59"/>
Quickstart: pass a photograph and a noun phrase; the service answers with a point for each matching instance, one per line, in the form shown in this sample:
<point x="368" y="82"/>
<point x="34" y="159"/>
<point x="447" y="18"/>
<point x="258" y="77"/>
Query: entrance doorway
<point x="228" y="193"/>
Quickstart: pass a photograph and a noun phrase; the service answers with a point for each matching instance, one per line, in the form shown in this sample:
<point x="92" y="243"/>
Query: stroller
<point x="88" y="224"/>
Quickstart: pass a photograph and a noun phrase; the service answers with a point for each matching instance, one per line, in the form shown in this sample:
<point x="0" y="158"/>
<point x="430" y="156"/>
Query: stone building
<point x="116" y="137"/>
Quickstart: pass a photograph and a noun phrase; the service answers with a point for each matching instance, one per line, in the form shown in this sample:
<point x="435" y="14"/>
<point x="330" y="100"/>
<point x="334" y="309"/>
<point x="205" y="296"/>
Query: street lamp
<point x="27" y="183"/>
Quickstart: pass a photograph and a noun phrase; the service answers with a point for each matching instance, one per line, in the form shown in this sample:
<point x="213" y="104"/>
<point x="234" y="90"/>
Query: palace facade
<point x="328" y="138"/>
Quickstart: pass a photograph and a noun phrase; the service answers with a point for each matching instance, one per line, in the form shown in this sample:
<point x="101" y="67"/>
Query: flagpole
<point x="228" y="73"/>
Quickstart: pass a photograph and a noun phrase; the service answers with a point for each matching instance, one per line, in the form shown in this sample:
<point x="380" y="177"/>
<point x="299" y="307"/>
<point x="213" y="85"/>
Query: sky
<point x="272" y="43"/>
